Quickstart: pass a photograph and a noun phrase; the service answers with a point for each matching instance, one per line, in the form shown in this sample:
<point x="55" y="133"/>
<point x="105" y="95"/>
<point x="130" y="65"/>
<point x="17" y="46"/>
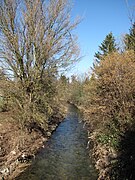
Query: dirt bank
<point x="18" y="147"/>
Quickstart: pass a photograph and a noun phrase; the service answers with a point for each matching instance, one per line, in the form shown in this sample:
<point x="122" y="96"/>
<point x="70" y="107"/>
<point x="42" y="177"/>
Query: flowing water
<point x="65" y="156"/>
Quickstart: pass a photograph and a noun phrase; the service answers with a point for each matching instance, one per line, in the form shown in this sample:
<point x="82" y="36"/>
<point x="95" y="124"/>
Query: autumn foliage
<point x="110" y="95"/>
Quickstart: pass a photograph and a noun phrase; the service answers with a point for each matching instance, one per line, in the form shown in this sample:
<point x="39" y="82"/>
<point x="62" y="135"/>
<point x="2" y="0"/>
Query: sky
<point x="99" y="18"/>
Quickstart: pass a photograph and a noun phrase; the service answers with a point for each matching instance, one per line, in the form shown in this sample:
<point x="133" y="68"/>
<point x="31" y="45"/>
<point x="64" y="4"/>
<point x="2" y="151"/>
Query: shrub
<point x="110" y="95"/>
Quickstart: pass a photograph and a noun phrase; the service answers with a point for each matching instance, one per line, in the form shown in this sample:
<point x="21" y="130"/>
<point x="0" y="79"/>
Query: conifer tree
<point x="130" y="39"/>
<point x="106" y="47"/>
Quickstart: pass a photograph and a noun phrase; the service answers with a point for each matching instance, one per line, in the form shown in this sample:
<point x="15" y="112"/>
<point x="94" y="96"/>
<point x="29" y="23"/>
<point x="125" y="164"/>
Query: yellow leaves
<point x="109" y="97"/>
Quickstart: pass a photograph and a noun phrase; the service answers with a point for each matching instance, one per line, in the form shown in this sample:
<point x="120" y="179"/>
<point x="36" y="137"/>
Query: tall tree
<point x="130" y="39"/>
<point x="106" y="47"/>
<point x="35" y="41"/>
<point x="36" y="35"/>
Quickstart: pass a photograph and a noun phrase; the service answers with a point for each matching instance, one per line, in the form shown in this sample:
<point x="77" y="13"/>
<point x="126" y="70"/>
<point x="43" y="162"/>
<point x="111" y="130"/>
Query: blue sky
<point x="100" y="17"/>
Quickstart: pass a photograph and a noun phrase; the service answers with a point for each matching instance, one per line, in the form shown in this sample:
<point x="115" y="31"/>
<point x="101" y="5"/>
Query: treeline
<point x="107" y="97"/>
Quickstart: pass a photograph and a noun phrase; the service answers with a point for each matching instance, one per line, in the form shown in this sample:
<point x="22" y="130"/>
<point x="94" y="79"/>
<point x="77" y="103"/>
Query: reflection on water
<point x="65" y="156"/>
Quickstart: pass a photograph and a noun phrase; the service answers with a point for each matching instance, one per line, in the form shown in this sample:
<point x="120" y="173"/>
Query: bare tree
<point x="36" y="35"/>
<point x="35" y="38"/>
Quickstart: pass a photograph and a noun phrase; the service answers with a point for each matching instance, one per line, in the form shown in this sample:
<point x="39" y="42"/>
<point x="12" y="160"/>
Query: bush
<point x="110" y="96"/>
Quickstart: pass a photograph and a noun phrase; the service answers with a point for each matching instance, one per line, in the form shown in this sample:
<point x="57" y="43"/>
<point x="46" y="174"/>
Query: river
<point x="65" y="156"/>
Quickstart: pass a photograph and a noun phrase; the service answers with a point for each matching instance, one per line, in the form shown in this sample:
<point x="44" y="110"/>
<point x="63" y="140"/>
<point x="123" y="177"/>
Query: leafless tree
<point x="35" y="38"/>
<point x="36" y="35"/>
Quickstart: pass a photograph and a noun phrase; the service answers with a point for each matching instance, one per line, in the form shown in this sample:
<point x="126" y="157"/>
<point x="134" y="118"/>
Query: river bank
<point x="104" y="157"/>
<point x="18" y="147"/>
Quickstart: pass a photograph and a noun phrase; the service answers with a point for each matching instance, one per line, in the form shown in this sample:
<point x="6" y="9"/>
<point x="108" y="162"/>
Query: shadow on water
<point x="65" y="156"/>
<point x="124" y="169"/>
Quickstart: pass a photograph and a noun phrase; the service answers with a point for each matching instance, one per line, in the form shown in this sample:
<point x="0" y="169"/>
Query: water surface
<point x="65" y="156"/>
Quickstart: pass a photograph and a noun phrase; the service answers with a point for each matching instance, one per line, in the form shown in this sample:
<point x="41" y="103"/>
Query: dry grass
<point x="14" y="141"/>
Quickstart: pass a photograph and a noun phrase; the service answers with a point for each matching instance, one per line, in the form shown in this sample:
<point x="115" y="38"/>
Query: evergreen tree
<point x="130" y="39"/>
<point x="107" y="46"/>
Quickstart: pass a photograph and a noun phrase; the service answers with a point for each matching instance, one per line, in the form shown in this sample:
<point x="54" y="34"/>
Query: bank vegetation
<point x="106" y="96"/>
<point x="36" y="46"/>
